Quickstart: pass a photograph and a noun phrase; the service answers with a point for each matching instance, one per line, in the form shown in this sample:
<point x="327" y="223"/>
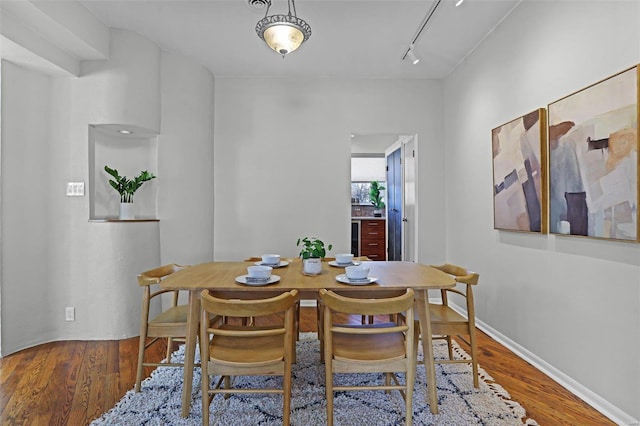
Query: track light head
<point x="412" y="56"/>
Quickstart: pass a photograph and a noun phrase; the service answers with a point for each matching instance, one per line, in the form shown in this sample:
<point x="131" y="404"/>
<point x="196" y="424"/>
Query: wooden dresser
<point x="373" y="239"/>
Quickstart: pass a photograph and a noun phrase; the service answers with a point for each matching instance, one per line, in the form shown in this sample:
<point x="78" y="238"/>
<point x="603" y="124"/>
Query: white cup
<point x="359" y="272"/>
<point x="344" y="258"/>
<point x="270" y="259"/>
<point x="259" y="271"/>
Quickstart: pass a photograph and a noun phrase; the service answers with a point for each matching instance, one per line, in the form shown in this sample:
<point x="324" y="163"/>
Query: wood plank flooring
<point x="74" y="382"/>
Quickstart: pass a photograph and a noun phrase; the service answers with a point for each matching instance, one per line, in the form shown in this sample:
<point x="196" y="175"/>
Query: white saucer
<point x="282" y="263"/>
<point x="343" y="265"/>
<point x="242" y="279"/>
<point x="342" y="278"/>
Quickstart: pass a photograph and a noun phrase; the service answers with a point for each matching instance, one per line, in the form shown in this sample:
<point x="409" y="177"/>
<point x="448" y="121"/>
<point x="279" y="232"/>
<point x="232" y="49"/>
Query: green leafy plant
<point x="375" y="196"/>
<point x="127" y="187"/>
<point x="312" y="248"/>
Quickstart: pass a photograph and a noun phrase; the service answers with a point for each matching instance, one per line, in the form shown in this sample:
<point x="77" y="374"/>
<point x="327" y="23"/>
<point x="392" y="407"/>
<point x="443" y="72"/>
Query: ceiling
<point x="350" y="38"/>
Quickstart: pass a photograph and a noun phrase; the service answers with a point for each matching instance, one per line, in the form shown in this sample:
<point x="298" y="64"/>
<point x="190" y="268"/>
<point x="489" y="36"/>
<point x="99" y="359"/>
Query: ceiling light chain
<point x="283" y="33"/>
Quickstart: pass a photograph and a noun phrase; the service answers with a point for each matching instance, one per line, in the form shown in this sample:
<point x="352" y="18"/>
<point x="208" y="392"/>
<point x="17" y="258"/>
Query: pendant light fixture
<point x="283" y="33"/>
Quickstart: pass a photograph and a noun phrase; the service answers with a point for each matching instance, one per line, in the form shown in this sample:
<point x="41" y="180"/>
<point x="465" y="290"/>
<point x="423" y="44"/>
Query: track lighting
<point x="412" y="56"/>
<point x="410" y="52"/>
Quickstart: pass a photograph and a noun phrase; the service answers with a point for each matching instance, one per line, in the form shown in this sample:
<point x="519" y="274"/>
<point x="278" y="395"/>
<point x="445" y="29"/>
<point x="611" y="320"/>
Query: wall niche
<point x="129" y="150"/>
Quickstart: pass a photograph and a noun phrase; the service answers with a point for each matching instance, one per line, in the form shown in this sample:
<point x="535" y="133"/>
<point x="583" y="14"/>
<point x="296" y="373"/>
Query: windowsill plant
<point x="376" y="197"/>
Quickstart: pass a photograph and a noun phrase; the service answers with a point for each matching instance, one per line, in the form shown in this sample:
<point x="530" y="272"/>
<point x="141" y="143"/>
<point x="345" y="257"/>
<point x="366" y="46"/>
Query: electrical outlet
<point x="70" y="313"/>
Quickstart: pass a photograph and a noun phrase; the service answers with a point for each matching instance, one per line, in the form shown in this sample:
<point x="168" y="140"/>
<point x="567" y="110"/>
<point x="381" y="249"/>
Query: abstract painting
<point x="593" y="160"/>
<point x="519" y="179"/>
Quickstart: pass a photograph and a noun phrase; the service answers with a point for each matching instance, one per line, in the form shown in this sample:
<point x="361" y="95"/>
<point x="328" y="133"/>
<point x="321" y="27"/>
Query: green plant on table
<point x="311" y="247"/>
<point x="375" y="196"/>
<point x="127" y="187"/>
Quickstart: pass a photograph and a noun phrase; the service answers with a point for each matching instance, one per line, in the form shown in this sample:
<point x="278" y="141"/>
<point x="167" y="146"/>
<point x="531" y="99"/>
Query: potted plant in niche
<point x="126" y="188"/>
<point x="312" y="251"/>
<point x="376" y="198"/>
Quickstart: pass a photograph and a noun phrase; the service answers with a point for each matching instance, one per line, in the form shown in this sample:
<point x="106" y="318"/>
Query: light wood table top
<point x="391" y="276"/>
<point x="221" y="276"/>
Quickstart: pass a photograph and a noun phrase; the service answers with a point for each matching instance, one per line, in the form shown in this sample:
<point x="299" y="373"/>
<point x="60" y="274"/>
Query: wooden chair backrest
<point x="248" y="307"/>
<point x="154" y="276"/>
<point x="461" y="275"/>
<point x="347" y="305"/>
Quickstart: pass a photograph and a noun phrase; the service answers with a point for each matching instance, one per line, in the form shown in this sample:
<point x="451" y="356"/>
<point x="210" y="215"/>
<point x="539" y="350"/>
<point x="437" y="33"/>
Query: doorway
<point x="399" y="178"/>
<point x="401" y="193"/>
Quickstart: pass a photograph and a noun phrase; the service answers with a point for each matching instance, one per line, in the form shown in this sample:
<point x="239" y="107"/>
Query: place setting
<point x="356" y="275"/>
<point x="258" y="275"/>
<point x="343" y="260"/>
<point x="272" y="260"/>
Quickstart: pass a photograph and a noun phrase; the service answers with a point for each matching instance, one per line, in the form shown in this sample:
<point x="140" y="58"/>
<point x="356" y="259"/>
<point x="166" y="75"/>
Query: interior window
<point x="360" y="192"/>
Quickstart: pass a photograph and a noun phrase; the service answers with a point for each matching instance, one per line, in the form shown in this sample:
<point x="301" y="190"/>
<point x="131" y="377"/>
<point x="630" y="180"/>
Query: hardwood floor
<point x="74" y="382"/>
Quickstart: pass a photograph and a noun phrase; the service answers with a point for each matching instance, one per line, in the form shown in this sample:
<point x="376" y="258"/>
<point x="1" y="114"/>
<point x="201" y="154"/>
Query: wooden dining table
<point x="221" y="277"/>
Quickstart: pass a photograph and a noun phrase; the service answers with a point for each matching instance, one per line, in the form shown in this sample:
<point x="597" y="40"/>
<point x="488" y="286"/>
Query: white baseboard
<point x="596" y="401"/>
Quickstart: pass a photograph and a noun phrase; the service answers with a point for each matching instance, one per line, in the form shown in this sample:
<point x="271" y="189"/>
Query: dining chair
<point x="228" y="350"/>
<point x="385" y="348"/>
<point x="297" y="318"/>
<point x="319" y="309"/>
<point x="446" y="322"/>
<point x="170" y="323"/>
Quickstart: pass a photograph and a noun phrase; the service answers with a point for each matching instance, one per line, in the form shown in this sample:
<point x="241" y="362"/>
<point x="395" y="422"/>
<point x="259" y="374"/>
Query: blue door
<point x="394" y="205"/>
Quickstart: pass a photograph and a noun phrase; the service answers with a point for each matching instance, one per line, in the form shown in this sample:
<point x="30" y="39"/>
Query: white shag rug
<point x="459" y="403"/>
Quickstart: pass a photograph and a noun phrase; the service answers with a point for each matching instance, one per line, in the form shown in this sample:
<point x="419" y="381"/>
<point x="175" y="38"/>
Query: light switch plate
<point x="75" y="189"/>
<point x="70" y="313"/>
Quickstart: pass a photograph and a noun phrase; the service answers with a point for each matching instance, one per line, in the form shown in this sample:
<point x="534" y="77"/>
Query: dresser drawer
<point x="372" y="229"/>
<point x="372" y="224"/>
<point x="374" y="253"/>
<point x="373" y="241"/>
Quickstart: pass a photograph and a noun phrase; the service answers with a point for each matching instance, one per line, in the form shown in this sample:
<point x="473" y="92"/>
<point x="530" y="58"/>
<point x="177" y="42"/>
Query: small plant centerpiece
<point x="311" y="252"/>
<point x="376" y="198"/>
<point x="126" y="188"/>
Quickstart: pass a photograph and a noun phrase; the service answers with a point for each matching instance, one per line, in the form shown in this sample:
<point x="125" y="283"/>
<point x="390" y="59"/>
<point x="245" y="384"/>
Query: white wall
<point x="52" y="256"/>
<point x="185" y="162"/>
<point x="573" y="302"/>
<point x="25" y="233"/>
<point x="282" y="159"/>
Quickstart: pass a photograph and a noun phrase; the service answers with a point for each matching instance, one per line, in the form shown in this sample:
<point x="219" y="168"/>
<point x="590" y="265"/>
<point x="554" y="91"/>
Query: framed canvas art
<point x="519" y="178"/>
<point x="593" y="160"/>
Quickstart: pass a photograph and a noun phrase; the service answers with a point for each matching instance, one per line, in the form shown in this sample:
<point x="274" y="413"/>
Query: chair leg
<point x="329" y="392"/>
<point x="227" y="385"/>
<point x="141" y="345"/>
<point x="320" y="322"/>
<point x="450" y="347"/>
<point x="297" y="321"/>
<point x="408" y="399"/>
<point x="474" y="356"/>
<point x="169" y="347"/>
<point x="205" y="394"/>
<point x="286" y="409"/>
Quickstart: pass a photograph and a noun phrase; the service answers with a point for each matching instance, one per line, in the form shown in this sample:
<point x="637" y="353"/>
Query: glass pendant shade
<point x="283" y="33"/>
<point x="283" y="38"/>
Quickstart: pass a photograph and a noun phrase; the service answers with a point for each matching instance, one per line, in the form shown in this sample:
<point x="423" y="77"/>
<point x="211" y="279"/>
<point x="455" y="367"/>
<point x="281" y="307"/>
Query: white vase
<point x="312" y="266"/>
<point x="126" y="211"/>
